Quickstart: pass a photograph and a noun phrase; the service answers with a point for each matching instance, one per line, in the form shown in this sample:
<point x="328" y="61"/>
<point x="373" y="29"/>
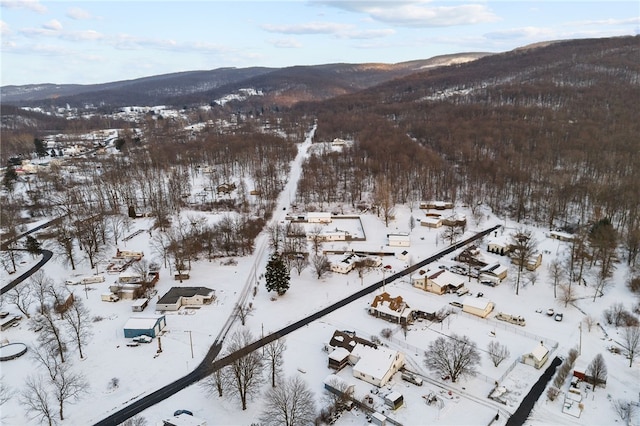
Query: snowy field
<point x="141" y="370"/>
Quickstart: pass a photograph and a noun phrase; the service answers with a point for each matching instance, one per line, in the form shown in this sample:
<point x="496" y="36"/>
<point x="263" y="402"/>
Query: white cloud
<point x="53" y="25"/>
<point x="78" y="14"/>
<point x="419" y="13"/>
<point x="615" y="22"/>
<point x="87" y="35"/>
<point x="308" y="28"/>
<point x="366" y="34"/>
<point x="32" y="5"/>
<point x="285" y="43"/>
<point x="4" y="28"/>
<point x="521" y="33"/>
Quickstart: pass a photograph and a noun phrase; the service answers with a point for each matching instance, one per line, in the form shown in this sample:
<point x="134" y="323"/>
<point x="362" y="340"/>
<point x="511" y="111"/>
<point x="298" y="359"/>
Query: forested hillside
<point x="546" y="134"/>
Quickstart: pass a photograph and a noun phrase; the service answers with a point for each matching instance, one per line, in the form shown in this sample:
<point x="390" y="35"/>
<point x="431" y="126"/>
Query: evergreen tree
<point x="32" y="245"/>
<point x="277" y="275"/>
<point x="10" y="177"/>
<point x="41" y="149"/>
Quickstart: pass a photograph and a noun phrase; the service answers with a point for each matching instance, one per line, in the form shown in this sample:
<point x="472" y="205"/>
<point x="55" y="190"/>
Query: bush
<point x="386" y="333"/>
<point x="552" y="393"/>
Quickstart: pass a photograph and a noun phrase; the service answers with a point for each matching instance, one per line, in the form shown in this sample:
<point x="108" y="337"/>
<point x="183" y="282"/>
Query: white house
<point x="399" y="240"/>
<point x="376" y="365"/>
<point x="537" y="357"/>
<point x="177" y="297"/>
<point x="319" y="217"/>
<point x="499" y="245"/>
<point x="344" y="265"/>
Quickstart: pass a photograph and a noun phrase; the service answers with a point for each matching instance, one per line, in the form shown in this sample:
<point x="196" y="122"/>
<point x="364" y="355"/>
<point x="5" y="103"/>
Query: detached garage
<point x="144" y="326"/>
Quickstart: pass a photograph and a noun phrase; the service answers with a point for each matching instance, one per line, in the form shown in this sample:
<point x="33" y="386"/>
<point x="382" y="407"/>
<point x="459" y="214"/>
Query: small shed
<point x="478" y="306"/>
<point x="537" y="357"/>
<point x="144" y="326"/>
<point x="394" y="400"/>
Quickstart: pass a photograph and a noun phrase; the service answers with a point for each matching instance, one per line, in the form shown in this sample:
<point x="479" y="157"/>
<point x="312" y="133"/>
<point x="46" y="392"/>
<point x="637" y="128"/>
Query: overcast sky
<point x="101" y="41"/>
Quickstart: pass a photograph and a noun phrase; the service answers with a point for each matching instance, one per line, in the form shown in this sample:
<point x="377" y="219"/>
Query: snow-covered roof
<point x="476" y="302"/>
<point x="443" y="278"/>
<point x="142" y="323"/>
<point x="539" y="352"/>
<point x="374" y="362"/>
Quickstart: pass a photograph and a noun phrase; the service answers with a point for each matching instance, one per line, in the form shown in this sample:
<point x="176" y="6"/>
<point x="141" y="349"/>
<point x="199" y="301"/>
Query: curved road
<point x="208" y="365"/>
<point x="46" y="255"/>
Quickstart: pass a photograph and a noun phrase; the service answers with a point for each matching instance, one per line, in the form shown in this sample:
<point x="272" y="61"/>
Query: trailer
<point x="513" y="319"/>
<point x="109" y="297"/>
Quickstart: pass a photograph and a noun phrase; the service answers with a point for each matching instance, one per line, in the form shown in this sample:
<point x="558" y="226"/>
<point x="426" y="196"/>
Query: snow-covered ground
<point x="141" y="370"/>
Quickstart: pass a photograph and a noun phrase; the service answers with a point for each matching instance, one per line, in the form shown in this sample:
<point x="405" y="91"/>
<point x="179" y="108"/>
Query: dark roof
<point x="175" y="293"/>
<point x="348" y="340"/>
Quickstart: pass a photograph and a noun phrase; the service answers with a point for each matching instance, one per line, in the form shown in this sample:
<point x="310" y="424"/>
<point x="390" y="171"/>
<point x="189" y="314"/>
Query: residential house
<point x="532" y="263"/>
<point x="495" y="270"/>
<point x="335" y="235"/>
<point x="144" y="326"/>
<point x="177" y="297"/>
<point x="433" y="220"/>
<point x="371" y="363"/>
<point x="392" y="309"/>
<point x="455" y="220"/>
<point x="399" y="240"/>
<point x="562" y="236"/>
<point x="437" y="205"/>
<point x="438" y="281"/>
<point x="344" y="265"/>
<point x="499" y="245"/>
<point x="478" y="306"/>
<point x="537" y="357"/>
<point x="318" y="217"/>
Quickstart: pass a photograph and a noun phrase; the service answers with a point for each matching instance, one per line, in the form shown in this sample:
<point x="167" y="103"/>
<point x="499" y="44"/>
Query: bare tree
<point x="567" y="294"/>
<point x="68" y="387"/>
<point x="244" y="372"/>
<point x="557" y="274"/>
<point x="5" y="391"/>
<point x="135" y="421"/>
<point x="22" y="298"/>
<point x="160" y="243"/>
<point x="497" y="352"/>
<point x="631" y="342"/>
<point x="301" y="261"/>
<point x="589" y="321"/>
<point x="276" y="234"/>
<point x="117" y="225"/>
<point x="452" y="231"/>
<point x="523" y="247"/>
<point x="273" y="352"/>
<point x="35" y="397"/>
<point x="244" y="311"/>
<point x="321" y="265"/>
<point x="453" y="356"/>
<point x="597" y="371"/>
<point x="78" y="322"/>
<point x="291" y="404"/>
<point x="383" y="200"/>
<point x="344" y="392"/>
<point x="626" y="410"/>
<point x="64" y="237"/>
<point x="315" y="236"/>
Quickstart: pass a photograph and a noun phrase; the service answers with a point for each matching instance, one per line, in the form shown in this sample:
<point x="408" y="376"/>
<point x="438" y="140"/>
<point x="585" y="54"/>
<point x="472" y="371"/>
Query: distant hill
<point x="279" y="86"/>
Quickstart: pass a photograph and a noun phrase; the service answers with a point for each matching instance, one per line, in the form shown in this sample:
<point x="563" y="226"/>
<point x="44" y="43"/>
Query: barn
<point x="144" y="326"/>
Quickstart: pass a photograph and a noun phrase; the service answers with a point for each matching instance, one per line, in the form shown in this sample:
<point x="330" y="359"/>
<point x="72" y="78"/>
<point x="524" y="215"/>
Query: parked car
<point x="142" y="339"/>
<point x="559" y="317"/>
<point x="456" y="304"/>
<point x="412" y="378"/>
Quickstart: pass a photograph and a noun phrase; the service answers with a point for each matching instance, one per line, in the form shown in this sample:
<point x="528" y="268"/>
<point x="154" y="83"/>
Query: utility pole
<point x="190" y="342"/>
<point x="580" y="345"/>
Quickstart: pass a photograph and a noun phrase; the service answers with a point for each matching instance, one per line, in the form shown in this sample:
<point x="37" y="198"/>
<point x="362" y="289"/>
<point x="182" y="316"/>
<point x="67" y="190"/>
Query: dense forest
<point x="545" y="135"/>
